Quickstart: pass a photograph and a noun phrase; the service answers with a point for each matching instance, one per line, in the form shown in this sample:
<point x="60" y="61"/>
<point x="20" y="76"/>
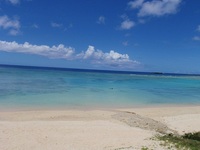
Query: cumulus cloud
<point x="135" y="4"/>
<point x="127" y="23"/>
<point x="155" y="7"/>
<point x="12" y="25"/>
<point x="101" y="20"/>
<point x="6" y="22"/>
<point x="111" y="58"/>
<point x="93" y="55"/>
<point x="59" y="51"/>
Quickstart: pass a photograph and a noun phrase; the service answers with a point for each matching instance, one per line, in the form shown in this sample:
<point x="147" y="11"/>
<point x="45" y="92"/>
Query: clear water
<point x="49" y="88"/>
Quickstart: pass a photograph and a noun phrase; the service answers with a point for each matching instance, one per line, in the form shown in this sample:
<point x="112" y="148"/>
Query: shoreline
<point x="109" y="128"/>
<point x="94" y="107"/>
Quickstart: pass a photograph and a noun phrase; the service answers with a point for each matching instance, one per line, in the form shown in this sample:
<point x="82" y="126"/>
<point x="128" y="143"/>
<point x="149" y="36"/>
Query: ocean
<point x="42" y="88"/>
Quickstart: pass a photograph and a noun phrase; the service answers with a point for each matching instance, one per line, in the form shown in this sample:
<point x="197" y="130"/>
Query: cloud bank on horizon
<point x="111" y="58"/>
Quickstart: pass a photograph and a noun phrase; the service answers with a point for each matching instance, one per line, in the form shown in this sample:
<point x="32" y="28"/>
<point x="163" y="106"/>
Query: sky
<point x="131" y="35"/>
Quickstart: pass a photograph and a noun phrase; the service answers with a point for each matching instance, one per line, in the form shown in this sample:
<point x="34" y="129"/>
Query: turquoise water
<point x="51" y="88"/>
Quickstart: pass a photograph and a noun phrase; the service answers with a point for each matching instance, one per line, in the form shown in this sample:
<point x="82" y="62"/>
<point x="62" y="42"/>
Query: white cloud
<point x="14" y="2"/>
<point x="99" y="57"/>
<point x="56" y="25"/>
<point x="111" y="58"/>
<point x="196" y="38"/>
<point x="90" y="51"/>
<point x="127" y="24"/>
<point x="59" y="51"/>
<point x="101" y="20"/>
<point x="135" y="4"/>
<point x="13" y="25"/>
<point x="155" y="7"/>
<point x="6" y="22"/>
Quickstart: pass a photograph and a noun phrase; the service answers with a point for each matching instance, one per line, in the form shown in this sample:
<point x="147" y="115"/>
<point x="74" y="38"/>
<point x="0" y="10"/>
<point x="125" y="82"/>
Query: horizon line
<point x="98" y="70"/>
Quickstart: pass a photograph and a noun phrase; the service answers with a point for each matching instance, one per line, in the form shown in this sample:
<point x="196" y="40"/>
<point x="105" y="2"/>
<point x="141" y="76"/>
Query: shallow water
<point x="48" y="88"/>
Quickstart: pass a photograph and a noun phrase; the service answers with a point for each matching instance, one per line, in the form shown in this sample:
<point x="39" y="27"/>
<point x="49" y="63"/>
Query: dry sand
<point x="94" y="129"/>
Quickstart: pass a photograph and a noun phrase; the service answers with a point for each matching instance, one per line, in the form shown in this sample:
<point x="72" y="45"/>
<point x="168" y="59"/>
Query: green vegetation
<point x="145" y="148"/>
<point x="189" y="141"/>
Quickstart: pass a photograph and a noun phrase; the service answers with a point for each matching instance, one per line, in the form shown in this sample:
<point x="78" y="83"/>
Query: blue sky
<point x="138" y="35"/>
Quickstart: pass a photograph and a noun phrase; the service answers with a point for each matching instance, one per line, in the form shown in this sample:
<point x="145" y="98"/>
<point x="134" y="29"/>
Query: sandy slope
<point x="93" y="129"/>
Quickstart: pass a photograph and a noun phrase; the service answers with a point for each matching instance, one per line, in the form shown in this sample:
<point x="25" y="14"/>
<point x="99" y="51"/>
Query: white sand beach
<point x="94" y="129"/>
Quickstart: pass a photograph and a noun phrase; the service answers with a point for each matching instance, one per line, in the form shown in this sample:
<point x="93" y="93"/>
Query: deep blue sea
<point x="35" y="87"/>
